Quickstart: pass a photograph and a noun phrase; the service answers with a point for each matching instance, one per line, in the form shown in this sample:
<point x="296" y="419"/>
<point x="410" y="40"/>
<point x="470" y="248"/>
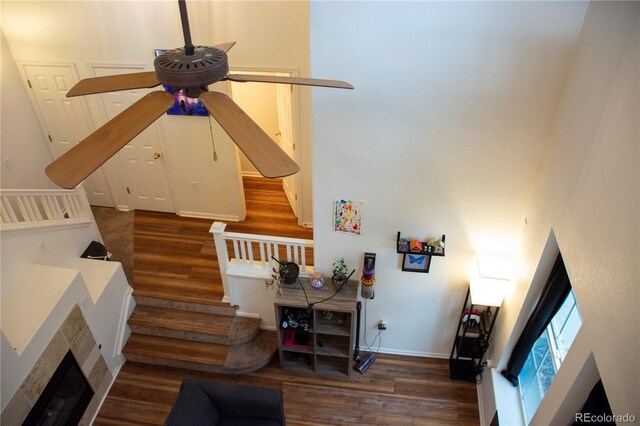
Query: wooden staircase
<point x="179" y="319"/>
<point x="197" y="336"/>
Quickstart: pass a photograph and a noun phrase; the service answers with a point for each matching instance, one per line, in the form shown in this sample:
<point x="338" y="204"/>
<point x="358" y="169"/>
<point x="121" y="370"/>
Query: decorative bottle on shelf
<point x="317" y="281"/>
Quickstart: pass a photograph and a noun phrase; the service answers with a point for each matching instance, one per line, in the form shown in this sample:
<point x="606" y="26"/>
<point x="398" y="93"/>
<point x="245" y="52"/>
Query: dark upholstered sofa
<point x="205" y="402"/>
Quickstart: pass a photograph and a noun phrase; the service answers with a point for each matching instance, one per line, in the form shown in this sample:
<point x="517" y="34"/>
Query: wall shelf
<point x="418" y="261"/>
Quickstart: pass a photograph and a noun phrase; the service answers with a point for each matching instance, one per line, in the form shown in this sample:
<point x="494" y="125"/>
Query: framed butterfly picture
<point x="416" y="262"/>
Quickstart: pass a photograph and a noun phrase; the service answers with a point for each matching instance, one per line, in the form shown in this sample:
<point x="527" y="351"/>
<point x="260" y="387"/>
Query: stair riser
<point x="181" y="334"/>
<point x="187" y="306"/>
<point x="194" y="365"/>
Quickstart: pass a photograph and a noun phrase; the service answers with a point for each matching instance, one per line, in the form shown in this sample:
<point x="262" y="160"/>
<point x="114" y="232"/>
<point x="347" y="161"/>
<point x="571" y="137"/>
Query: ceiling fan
<point x="190" y="69"/>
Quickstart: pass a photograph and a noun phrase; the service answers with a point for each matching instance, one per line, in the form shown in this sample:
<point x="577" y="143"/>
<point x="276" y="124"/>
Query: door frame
<point x="34" y="102"/>
<point x="21" y="65"/>
<point x="123" y="200"/>
<point x="295" y="126"/>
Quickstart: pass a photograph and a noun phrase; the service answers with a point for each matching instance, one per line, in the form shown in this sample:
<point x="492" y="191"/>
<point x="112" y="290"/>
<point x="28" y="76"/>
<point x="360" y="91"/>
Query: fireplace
<point x="64" y="399"/>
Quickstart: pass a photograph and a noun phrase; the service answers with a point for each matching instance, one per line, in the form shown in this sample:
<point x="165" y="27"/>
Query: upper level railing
<point x="253" y="254"/>
<point x="31" y="208"/>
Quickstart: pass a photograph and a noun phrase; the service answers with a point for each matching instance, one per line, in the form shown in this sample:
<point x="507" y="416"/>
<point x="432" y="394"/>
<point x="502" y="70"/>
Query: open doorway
<point x="270" y="106"/>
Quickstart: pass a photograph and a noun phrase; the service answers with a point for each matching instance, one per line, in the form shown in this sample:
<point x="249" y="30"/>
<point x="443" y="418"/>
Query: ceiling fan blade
<point x="83" y="159"/>
<point x="270" y="160"/>
<point x="225" y="46"/>
<point x="289" y="80"/>
<point x="113" y="83"/>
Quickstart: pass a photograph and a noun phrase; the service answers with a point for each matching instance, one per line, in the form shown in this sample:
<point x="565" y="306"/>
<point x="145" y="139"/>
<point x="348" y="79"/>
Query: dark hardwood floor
<point x="175" y="256"/>
<point x="396" y="390"/>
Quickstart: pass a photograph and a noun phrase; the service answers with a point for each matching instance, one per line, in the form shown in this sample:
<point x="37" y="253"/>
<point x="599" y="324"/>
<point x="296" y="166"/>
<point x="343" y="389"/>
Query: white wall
<point x="444" y="133"/>
<point x="23" y="147"/>
<point x="588" y="195"/>
<point x="260" y="103"/>
<point x="272" y="35"/>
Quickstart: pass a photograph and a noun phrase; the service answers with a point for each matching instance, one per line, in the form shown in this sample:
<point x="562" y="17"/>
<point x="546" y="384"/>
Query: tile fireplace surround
<point x="74" y="334"/>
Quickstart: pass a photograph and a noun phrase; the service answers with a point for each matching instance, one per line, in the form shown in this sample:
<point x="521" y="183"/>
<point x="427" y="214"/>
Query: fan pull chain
<point x="215" y="154"/>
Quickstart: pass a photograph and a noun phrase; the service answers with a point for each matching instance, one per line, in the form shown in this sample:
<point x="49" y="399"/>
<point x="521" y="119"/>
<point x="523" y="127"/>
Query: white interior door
<point x="283" y="94"/>
<point x="141" y="159"/>
<point x="65" y="120"/>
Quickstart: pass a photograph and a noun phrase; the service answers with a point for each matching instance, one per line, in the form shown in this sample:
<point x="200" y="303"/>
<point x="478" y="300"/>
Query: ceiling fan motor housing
<point x="181" y="71"/>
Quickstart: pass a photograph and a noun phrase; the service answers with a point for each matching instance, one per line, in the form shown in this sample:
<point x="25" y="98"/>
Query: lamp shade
<point x="489" y="280"/>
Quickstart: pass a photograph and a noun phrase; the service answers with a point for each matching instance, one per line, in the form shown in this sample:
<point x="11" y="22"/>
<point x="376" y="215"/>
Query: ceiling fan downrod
<point x="189" y="50"/>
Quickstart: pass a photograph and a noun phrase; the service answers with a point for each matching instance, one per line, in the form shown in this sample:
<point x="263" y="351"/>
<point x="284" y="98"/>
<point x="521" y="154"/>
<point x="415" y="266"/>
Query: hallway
<point x="174" y="257"/>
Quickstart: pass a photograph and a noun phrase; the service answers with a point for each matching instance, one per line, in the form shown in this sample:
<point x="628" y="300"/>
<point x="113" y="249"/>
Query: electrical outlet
<point x="382" y="325"/>
<point x="7" y="163"/>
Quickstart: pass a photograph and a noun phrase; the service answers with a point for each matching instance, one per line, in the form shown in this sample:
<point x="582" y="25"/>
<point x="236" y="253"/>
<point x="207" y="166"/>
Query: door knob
<point x="278" y="133"/>
<point x="156" y="155"/>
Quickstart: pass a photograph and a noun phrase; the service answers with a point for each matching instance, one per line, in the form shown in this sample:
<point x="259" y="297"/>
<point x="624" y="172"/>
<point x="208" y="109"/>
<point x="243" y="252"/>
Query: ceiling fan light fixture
<point x="177" y="69"/>
<point x="189" y="69"/>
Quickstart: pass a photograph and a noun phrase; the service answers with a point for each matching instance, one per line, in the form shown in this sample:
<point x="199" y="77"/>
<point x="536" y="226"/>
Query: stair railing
<point x="253" y="254"/>
<point x="33" y="208"/>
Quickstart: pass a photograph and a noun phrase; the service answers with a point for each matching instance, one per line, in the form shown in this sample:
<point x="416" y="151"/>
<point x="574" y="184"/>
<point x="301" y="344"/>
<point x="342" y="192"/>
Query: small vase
<point x="317" y="281"/>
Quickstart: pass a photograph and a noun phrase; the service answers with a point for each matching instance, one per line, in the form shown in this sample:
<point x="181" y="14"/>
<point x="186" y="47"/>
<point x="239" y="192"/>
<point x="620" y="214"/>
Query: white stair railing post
<point x="217" y="230"/>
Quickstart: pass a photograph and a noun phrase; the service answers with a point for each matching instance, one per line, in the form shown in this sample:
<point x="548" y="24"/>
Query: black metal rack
<point x="471" y="341"/>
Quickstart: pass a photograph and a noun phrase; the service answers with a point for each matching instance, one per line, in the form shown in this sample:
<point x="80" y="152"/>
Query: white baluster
<point x="250" y="251"/>
<point x="262" y="259"/>
<point x="243" y="251"/>
<point x="45" y="206"/>
<point x="76" y="202"/>
<point x="35" y="208"/>
<point x="23" y="210"/>
<point x="295" y="254"/>
<point x="303" y="259"/>
<point x="56" y="207"/>
<point x="70" y="210"/>
<point x="6" y="203"/>
<point x="235" y="248"/>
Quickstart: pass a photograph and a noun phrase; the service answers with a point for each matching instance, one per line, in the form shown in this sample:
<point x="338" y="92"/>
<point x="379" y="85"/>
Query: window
<point x="547" y="354"/>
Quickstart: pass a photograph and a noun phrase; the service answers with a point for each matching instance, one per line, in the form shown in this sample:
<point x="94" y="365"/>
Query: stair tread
<point x="177" y="349"/>
<point x="258" y="351"/>
<point x="179" y="319"/>
<point x="177" y="295"/>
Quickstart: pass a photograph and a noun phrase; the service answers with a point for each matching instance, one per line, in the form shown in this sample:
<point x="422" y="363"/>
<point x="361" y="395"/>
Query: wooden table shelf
<point x="330" y="329"/>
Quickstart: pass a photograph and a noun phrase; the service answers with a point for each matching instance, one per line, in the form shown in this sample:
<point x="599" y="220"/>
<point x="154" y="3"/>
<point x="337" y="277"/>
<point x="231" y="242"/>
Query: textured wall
<point x="588" y="196"/>
<point x="444" y="133"/>
<point x="23" y="143"/>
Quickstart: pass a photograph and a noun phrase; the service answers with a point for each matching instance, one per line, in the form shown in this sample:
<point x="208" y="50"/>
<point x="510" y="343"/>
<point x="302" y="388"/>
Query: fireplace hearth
<point x="64" y="399"/>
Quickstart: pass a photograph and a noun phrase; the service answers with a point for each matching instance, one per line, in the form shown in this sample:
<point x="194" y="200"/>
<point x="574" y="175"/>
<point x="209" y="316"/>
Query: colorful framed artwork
<point x="347" y="217"/>
<point x="182" y="104"/>
<point x="416" y="262"/>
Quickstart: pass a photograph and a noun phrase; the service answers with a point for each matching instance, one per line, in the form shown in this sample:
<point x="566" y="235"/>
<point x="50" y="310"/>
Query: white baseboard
<point x="404" y="352"/>
<point x="308" y="225"/>
<point x="251" y="174"/>
<point x="199" y="215"/>
<point x="226" y="299"/>
<point x="123" y="208"/>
